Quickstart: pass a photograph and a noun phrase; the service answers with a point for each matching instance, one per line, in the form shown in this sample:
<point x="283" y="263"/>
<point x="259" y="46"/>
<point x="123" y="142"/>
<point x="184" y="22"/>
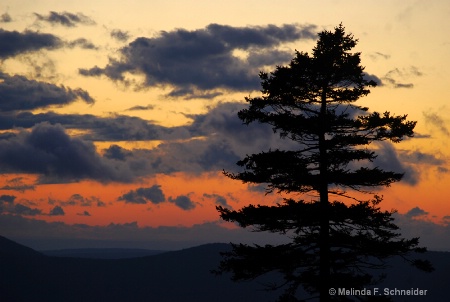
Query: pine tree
<point x="336" y="239"/>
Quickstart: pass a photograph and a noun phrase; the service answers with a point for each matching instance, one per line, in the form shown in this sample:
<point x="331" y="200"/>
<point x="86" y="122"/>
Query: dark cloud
<point x="371" y="77"/>
<point x="16" y="184"/>
<point x="204" y="59"/>
<point x="268" y="57"/>
<point x="222" y="122"/>
<point x="5" y="18"/>
<point x="112" y="128"/>
<point x="416" y="212"/>
<point x="57" y="211"/>
<point x="388" y="159"/>
<point x="19" y="93"/>
<point x="79" y="200"/>
<point x="85" y="213"/>
<point x="152" y="194"/>
<point x="183" y="202"/>
<point x="446" y="219"/>
<point x="48" y="151"/>
<point x="218" y="200"/>
<point x="82" y="43"/>
<point x="434" y="119"/>
<point x="116" y="152"/>
<point x="7" y="206"/>
<point x="194" y="156"/>
<point x="7" y="198"/>
<point x="432" y="235"/>
<point x="141" y="108"/>
<point x="13" y="43"/>
<point x="20" y="209"/>
<point x="188" y="93"/>
<point x="261" y="188"/>
<point x="213" y="141"/>
<point x="65" y="19"/>
<point x="218" y="155"/>
<point x="120" y="35"/>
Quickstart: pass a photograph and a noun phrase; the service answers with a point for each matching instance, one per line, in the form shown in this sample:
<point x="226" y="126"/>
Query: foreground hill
<point x="172" y="276"/>
<point x="27" y="275"/>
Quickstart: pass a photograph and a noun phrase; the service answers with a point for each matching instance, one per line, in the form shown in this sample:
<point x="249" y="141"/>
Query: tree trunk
<point x="324" y="243"/>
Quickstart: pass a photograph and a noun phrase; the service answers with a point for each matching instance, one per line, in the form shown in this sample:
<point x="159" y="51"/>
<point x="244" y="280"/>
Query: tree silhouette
<point x="333" y="243"/>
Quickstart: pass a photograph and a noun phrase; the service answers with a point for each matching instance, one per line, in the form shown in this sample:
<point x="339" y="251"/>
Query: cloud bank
<point x="19" y="93"/>
<point x="204" y="59"/>
<point x="65" y="19"/>
<point x="13" y="43"/>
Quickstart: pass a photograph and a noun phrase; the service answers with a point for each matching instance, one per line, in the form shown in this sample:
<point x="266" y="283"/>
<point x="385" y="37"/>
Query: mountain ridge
<point x="182" y="275"/>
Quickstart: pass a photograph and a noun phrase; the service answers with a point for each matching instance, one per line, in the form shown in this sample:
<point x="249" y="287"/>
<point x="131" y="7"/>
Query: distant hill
<point x="26" y="275"/>
<point x="104" y="253"/>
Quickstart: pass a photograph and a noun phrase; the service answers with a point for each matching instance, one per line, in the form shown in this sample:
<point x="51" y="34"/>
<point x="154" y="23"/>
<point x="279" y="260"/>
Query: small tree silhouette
<point x="334" y="243"/>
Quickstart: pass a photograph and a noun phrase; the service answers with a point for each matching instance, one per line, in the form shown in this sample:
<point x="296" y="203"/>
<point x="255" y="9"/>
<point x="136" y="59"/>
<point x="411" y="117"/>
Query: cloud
<point x="218" y="200"/>
<point x="19" y="93"/>
<point x="7" y="198"/>
<point x="205" y="56"/>
<point x="393" y="76"/>
<point x="7" y="206"/>
<point x="434" y="119"/>
<point x="141" y="108"/>
<point x="112" y="128"/>
<point x="16" y="184"/>
<point x="446" y="219"/>
<point x="57" y="211"/>
<point x="377" y="55"/>
<point x="432" y="235"/>
<point x="152" y="194"/>
<point x="85" y="213"/>
<point x="5" y="18"/>
<point x="416" y="212"/>
<point x="82" y="43"/>
<point x="20" y="209"/>
<point x="48" y="151"/>
<point x="371" y="77"/>
<point x="442" y="170"/>
<point x="388" y="159"/>
<point x="116" y="152"/>
<point x="183" y="202"/>
<point x="79" y="200"/>
<point x="13" y="43"/>
<point x="421" y="157"/>
<point x="188" y="93"/>
<point x="213" y="141"/>
<point x="65" y="19"/>
<point x="120" y="35"/>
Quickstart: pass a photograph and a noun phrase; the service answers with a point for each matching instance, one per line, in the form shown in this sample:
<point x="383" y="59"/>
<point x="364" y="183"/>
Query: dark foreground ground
<point x="27" y="275"/>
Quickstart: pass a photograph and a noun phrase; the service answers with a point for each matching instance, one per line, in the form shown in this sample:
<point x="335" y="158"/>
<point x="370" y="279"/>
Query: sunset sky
<point x="117" y="118"/>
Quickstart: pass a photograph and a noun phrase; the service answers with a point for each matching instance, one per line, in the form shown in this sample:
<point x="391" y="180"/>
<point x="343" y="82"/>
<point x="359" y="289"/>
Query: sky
<point x="117" y="119"/>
